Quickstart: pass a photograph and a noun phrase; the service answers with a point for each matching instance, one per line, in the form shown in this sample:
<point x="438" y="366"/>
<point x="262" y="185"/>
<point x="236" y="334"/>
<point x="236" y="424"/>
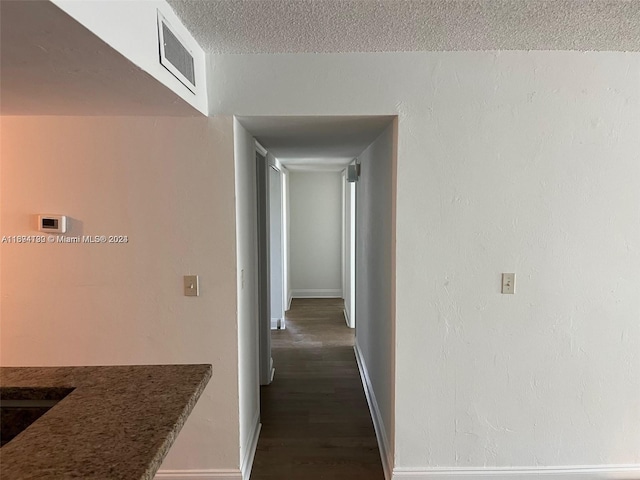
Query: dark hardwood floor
<point x="315" y="418"/>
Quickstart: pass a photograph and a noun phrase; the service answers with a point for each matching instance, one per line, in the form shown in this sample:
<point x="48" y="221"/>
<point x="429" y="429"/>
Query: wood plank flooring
<point x="315" y="419"/>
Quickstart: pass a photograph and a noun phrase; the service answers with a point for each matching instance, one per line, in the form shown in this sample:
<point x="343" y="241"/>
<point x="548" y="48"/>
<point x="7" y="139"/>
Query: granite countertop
<point x="117" y="423"/>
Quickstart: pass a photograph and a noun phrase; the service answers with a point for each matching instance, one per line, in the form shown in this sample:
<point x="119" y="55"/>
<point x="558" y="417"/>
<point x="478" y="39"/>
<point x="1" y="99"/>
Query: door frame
<point x="264" y="295"/>
<point x="275" y="166"/>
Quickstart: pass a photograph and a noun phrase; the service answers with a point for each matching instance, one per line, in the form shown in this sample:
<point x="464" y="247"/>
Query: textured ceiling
<point x="52" y="65"/>
<point x="292" y="26"/>
<point x="315" y="143"/>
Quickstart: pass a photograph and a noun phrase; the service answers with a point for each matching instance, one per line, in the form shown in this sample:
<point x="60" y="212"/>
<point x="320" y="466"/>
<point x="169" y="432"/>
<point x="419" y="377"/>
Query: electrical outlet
<point x="509" y="283"/>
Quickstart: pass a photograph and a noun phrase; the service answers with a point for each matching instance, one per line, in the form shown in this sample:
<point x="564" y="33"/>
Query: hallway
<point x="315" y="418"/>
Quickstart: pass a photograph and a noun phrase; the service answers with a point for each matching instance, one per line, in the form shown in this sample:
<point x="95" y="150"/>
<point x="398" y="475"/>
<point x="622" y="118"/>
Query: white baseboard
<point x="250" y="448"/>
<point x="289" y="298"/>
<point x="378" y="425"/>
<point x="317" y="293"/>
<point x="605" y="472"/>
<point x="274" y="323"/>
<point x="199" y="474"/>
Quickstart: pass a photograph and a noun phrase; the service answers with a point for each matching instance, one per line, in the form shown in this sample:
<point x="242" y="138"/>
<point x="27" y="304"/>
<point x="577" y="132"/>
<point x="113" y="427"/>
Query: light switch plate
<point x="509" y="283"/>
<point x="191" y="286"/>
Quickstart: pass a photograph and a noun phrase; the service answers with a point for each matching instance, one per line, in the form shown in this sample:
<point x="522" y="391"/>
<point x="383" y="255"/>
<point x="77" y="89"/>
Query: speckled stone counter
<point x="117" y="423"/>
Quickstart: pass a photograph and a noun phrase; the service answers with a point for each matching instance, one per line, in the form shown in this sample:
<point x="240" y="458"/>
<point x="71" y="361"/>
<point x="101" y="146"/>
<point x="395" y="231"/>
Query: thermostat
<point x="52" y="223"/>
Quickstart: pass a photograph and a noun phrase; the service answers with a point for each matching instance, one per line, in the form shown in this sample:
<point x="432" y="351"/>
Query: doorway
<point x="367" y="235"/>
<point x="349" y="249"/>
<point x="264" y="269"/>
<point x="277" y="246"/>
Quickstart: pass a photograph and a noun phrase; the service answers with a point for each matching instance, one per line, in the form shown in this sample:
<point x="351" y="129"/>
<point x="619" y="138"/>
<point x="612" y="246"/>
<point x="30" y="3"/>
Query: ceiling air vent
<point x="174" y="56"/>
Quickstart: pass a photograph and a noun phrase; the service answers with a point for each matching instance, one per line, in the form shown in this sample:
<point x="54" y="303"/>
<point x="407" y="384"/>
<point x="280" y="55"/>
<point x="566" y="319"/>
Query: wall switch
<point x="191" y="286"/>
<point x="509" y="283"/>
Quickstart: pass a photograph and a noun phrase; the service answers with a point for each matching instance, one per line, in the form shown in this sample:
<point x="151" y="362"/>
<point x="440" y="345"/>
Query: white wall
<point x="131" y="28"/>
<point x="286" y="221"/>
<point x="348" y="250"/>
<point x="521" y="162"/>
<point x="165" y="184"/>
<point x="276" y="247"/>
<point x="375" y="279"/>
<point x="247" y="287"/>
<point x="316" y="231"/>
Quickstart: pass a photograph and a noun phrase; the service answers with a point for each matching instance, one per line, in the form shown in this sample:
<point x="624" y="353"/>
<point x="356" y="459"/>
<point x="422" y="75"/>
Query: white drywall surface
<point x="316" y="231"/>
<point x="247" y="284"/>
<point x="521" y="162"/>
<point x="131" y="28"/>
<point x="276" y="246"/>
<point x="286" y="220"/>
<point x="165" y="184"/>
<point x="349" y="248"/>
<point x="374" y="253"/>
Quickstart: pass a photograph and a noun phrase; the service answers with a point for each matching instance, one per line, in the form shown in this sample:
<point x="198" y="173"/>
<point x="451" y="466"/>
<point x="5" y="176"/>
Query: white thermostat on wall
<point x="52" y="223"/>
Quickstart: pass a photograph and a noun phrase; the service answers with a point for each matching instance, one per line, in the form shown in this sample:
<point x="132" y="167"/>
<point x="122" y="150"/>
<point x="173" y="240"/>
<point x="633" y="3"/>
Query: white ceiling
<point x="52" y="65"/>
<point x="315" y="143"/>
<point x="293" y="26"/>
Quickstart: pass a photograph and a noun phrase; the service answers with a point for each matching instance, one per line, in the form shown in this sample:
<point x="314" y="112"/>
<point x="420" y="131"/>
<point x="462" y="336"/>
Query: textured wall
<point x="164" y="183"/>
<point x="507" y="161"/>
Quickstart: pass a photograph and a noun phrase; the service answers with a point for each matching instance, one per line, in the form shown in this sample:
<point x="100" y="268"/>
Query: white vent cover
<point x="174" y="56"/>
